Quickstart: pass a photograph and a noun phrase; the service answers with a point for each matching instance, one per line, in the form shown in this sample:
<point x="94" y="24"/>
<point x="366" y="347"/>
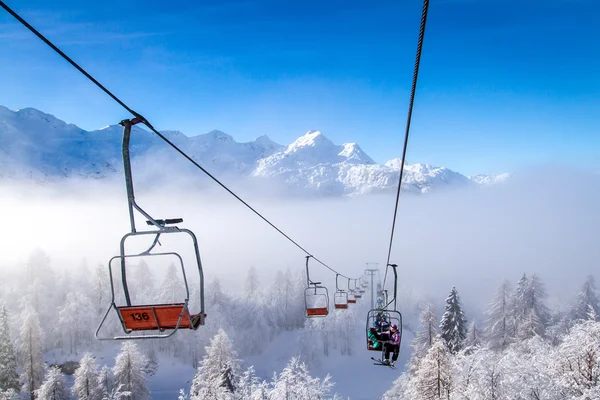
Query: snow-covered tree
<point x="105" y="382"/>
<point x="498" y="325"/>
<point x="295" y="382"/>
<point x="473" y="338"/>
<point x="218" y="372"/>
<point x="30" y="351"/>
<point x="151" y="361"/>
<point x="172" y="289"/>
<point x="87" y="384"/>
<point x="433" y="378"/>
<point x="75" y="319"/>
<point x="129" y="372"/>
<point x="429" y="330"/>
<point x="9" y="394"/>
<point x="453" y="325"/>
<point x="587" y="301"/>
<point x="252" y="286"/>
<point x="54" y="386"/>
<point x="535" y="315"/>
<point x="100" y="289"/>
<point x="145" y="290"/>
<point x="9" y="378"/>
<point x="577" y="362"/>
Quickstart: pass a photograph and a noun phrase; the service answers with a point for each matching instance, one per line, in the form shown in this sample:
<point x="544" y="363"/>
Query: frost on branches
<point x="129" y="372"/>
<point x="54" y="386"/>
<point x="218" y="372"/>
<point x="87" y="380"/>
<point x="9" y="379"/>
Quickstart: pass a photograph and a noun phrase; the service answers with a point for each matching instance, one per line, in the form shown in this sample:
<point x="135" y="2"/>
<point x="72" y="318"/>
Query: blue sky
<point x="504" y="84"/>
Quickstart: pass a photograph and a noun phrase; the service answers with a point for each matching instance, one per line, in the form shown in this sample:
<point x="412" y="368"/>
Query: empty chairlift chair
<point x="351" y="294"/>
<point x="357" y="291"/>
<point x="340" y="298"/>
<point x="164" y="318"/>
<point x="316" y="298"/>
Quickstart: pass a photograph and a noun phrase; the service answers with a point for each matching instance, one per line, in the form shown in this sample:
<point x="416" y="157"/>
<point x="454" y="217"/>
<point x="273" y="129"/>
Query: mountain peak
<point x="310" y="139"/>
<point x="219" y="136"/>
<point x="353" y="153"/>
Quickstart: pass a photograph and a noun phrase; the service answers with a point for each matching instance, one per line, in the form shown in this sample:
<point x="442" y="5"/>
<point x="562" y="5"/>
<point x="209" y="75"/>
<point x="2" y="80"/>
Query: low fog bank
<point x="543" y="222"/>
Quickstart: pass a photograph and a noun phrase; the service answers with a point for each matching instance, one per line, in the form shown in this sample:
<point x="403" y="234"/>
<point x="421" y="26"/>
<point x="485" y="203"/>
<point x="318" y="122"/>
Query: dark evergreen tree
<point x="453" y="325"/>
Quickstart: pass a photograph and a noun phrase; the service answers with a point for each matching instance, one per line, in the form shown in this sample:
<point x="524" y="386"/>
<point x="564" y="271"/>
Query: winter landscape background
<point x="65" y="212"/>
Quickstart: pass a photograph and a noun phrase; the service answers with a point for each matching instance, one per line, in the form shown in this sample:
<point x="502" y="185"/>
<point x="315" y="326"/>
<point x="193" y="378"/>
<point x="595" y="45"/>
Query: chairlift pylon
<point x="154" y="317"/>
<point x="316" y="298"/>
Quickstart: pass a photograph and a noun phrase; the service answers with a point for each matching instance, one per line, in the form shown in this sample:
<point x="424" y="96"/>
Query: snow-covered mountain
<point x="35" y="145"/>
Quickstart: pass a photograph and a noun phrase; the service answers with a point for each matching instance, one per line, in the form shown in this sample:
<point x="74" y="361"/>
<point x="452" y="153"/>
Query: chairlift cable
<point x="408" y="121"/>
<point x="145" y="122"/>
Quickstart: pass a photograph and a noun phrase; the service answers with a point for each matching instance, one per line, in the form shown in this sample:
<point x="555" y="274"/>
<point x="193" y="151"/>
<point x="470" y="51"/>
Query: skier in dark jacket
<point x="392" y="345"/>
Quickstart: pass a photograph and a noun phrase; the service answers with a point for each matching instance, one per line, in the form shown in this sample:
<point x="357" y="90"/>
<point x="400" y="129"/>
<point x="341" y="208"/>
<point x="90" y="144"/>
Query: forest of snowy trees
<point x="524" y="350"/>
<point x="48" y="310"/>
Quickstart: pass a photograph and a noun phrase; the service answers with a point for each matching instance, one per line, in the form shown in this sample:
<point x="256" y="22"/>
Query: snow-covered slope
<point x="35" y="145"/>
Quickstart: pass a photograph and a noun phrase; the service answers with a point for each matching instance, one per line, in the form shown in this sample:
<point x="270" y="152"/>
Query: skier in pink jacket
<point x="392" y="345"/>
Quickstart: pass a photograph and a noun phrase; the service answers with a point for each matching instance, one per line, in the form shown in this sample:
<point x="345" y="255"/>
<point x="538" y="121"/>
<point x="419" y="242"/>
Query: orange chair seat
<point x="341" y="306"/>
<point x="316" y="311"/>
<point x="158" y="317"/>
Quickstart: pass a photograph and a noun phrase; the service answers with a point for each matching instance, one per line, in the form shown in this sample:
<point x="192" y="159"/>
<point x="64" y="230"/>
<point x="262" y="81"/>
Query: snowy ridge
<point x="40" y="147"/>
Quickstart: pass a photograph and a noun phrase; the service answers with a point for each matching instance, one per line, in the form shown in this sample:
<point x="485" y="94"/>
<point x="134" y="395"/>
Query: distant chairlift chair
<point x="316" y="298"/>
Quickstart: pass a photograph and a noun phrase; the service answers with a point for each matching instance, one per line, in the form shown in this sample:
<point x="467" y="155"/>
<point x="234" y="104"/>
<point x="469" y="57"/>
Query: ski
<point x="379" y="362"/>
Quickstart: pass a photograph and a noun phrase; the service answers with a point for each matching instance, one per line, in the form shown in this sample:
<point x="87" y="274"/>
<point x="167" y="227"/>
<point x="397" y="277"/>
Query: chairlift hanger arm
<point x="394" y="266"/>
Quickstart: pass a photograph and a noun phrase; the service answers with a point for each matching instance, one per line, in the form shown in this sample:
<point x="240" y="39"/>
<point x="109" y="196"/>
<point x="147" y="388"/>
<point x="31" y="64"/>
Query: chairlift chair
<point x="316" y="298"/>
<point x="137" y="318"/>
<point x="392" y="315"/>
<point x="340" y="298"/>
<point x="357" y="291"/>
<point x="351" y="294"/>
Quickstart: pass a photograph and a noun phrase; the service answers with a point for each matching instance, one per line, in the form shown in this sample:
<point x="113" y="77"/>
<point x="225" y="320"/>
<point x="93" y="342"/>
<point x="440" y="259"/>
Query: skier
<point x="392" y="345"/>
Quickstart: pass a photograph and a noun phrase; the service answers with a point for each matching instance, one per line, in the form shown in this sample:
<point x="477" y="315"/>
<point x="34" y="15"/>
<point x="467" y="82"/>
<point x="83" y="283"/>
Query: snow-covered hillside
<point x="39" y="146"/>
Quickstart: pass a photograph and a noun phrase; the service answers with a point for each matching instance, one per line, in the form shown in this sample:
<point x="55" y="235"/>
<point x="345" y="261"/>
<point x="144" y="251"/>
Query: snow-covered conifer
<point x="536" y="315"/>
<point x="145" y="290"/>
<point x="218" y="372"/>
<point x="587" y="300"/>
<point x="105" y="381"/>
<point x="172" y="289"/>
<point x="87" y="384"/>
<point x="295" y="382"/>
<point x="100" y="289"/>
<point x="252" y="286"/>
<point x="54" y="386"/>
<point x="129" y="372"/>
<point x="30" y="350"/>
<point x="453" y="325"/>
<point x="429" y="330"/>
<point x="498" y="325"/>
<point x="9" y="378"/>
<point x="473" y="336"/>
<point x="433" y="379"/>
